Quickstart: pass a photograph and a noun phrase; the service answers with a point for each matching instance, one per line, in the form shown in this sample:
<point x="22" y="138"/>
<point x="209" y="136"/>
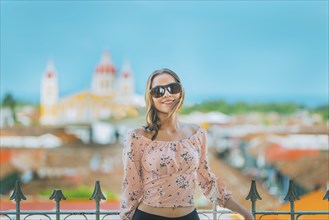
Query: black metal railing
<point x="291" y="196"/>
<point x="99" y="214"/>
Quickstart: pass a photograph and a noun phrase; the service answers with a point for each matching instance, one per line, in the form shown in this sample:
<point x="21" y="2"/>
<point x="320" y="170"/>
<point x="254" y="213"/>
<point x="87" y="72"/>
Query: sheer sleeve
<point x="211" y="186"/>
<point x="131" y="192"/>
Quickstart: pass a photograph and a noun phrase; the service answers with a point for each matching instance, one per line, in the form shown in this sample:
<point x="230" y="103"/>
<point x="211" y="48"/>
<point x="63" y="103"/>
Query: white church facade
<point x="111" y="94"/>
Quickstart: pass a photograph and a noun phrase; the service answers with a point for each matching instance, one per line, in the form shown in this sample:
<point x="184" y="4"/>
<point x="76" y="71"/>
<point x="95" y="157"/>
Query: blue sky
<point x="236" y="50"/>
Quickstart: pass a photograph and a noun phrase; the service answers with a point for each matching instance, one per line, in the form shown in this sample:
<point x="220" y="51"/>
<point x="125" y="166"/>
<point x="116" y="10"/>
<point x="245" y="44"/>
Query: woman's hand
<point x="248" y="216"/>
<point x="236" y="207"/>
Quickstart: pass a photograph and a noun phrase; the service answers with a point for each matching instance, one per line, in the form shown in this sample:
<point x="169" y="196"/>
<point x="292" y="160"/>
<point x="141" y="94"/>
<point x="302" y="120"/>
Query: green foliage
<point x="242" y="107"/>
<point x="7" y="183"/>
<point x="80" y="192"/>
<point x="9" y="101"/>
<point x="323" y="111"/>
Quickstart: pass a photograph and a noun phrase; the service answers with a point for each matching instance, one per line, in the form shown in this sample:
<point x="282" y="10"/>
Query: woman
<point x="164" y="160"/>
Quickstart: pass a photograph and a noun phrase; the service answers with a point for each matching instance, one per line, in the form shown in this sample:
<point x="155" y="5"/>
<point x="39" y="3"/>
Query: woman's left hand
<point x="248" y="216"/>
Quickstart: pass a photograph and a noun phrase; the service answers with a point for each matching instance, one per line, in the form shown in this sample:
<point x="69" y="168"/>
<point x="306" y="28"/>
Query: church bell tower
<point x="49" y="96"/>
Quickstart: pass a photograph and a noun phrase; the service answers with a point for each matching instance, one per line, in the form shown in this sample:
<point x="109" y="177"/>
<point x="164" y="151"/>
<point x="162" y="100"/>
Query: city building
<point x="111" y="95"/>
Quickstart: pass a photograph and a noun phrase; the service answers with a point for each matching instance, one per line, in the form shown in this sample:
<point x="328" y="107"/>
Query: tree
<point x="9" y="102"/>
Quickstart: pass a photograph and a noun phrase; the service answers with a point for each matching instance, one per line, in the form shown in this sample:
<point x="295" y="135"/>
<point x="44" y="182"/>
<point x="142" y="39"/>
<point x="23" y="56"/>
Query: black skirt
<point x="140" y="215"/>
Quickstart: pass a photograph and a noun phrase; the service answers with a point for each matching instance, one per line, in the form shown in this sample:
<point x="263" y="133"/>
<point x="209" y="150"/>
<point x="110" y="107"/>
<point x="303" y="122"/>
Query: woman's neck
<point x="169" y="123"/>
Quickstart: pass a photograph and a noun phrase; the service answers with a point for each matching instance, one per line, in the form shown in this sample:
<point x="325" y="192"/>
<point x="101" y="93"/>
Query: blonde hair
<point x="153" y="123"/>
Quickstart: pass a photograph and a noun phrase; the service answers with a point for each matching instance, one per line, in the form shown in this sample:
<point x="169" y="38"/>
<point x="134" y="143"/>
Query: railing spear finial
<point x="17" y="194"/>
<point x="97" y="196"/>
<point x="253" y="196"/>
<point x="57" y="196"/>
<point x="326" y="196"/>
<point x="292" y="195"/>
<point x="253" y="193"/>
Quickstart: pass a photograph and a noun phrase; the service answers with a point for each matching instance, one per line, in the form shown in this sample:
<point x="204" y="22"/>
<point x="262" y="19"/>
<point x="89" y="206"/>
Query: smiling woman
<point x="164" y="160"/>
<point x="164" y="96"/>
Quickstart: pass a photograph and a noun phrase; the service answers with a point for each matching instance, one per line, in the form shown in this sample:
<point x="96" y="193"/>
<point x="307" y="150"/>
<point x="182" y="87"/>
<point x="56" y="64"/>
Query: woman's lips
<point x="167" y="102"/>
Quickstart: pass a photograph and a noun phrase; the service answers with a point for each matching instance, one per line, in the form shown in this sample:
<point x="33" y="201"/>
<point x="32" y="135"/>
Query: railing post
<point x="18" y="196"/>
<point x="57" y="196"/>
<point x="97" y="196"/>
<point x="292" y="196"/>
<point x="253" y="196"/>
<point x="214" y="209"/>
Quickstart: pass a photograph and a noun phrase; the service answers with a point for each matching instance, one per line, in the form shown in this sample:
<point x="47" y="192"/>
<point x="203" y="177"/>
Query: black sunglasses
<point x="159" y="91"/>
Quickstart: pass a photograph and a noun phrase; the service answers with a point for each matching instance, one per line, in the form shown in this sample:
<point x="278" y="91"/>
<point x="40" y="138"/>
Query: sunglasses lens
<point x="174" y="88"/>
<point x="157" y="92"/>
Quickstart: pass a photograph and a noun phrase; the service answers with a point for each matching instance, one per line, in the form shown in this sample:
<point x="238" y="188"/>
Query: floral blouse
<point x="164" y="173"/>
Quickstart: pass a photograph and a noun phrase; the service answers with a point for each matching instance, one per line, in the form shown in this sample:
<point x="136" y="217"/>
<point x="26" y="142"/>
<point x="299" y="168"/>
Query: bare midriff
<point x="166" y="211"/>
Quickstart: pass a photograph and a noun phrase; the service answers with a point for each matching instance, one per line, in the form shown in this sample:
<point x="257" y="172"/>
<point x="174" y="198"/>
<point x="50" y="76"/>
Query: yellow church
<point x="111" y="95"/>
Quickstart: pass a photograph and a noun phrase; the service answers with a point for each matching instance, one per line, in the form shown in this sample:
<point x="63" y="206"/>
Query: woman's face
<point x="163" y="104"/>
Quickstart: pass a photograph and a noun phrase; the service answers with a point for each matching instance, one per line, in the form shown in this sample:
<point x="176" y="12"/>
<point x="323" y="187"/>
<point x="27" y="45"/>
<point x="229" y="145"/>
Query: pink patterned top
<point x="164" y="173"/>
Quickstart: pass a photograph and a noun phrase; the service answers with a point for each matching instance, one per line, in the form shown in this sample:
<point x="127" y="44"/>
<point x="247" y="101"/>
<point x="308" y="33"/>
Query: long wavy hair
<point x="153" y="123"/>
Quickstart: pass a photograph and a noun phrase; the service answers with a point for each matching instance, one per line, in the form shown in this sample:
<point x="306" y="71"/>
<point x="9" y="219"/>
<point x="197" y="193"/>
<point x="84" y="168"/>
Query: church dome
<point x="105" y="66"/>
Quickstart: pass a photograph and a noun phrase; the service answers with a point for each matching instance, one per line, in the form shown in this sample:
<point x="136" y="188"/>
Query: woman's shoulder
<point x="140" y="132"/>
<point x="192" y="128"/>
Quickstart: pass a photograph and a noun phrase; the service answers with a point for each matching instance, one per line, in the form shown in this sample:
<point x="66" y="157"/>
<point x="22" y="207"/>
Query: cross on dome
<point x="106" y="65"/>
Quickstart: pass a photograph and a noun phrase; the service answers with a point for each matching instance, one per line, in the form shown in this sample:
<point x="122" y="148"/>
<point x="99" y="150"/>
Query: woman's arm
<point x="132" y="191"/>
<point x="236" y="207"/>
<point x="214" y="188"/>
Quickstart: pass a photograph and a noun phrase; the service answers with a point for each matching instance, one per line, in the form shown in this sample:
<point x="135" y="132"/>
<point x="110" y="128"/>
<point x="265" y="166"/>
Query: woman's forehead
<point x="162" y="79"/>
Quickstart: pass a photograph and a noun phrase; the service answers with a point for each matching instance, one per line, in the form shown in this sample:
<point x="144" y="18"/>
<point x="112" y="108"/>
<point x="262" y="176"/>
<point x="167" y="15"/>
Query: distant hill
<point x="244" y="107"/>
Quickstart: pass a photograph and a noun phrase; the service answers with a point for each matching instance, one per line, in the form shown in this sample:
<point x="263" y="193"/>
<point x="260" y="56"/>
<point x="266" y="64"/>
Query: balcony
<point x="100" y="214"/>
